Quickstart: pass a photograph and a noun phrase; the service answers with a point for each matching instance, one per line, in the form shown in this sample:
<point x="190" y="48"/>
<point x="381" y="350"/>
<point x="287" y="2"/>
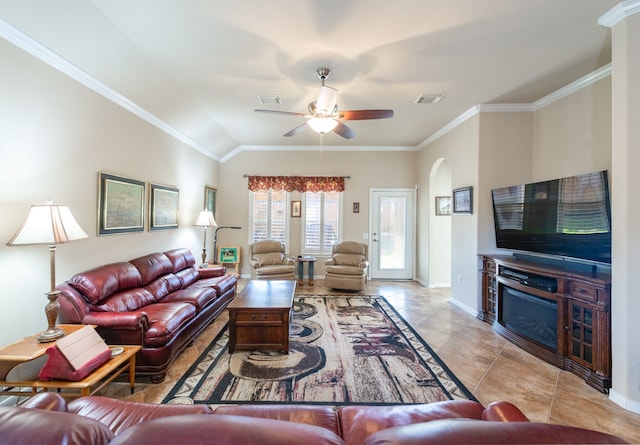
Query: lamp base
<point x="51" y="334"/>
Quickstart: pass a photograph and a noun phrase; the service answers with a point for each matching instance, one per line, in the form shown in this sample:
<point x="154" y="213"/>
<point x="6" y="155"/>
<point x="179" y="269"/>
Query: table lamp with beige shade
<point x="49" y="224"/>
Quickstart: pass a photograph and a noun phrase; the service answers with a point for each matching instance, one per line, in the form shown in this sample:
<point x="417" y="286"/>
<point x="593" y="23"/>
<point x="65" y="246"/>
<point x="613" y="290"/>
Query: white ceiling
<point x="198" y="65"/>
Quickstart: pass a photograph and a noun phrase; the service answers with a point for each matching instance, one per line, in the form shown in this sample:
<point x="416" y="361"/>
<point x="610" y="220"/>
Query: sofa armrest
<point x="330" y="262"/>
<point x="118" y="320"/>
<point x="503" y="411"/>
<point x="212" y="272"/>
<point x="364" y="264"/>
<point x="255" y="264"/>
<point x="289" y="261"/>
<point x="48" y="401"/>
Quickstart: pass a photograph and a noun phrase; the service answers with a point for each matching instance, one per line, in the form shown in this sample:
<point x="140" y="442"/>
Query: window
<point x="269" y="218"/>
<point x="322" y="221"/>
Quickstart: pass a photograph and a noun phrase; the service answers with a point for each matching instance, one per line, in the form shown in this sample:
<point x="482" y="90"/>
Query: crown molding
<point x="619" y="12"/>
<point x="573" y="87"/>
<point x="54" y="60"/>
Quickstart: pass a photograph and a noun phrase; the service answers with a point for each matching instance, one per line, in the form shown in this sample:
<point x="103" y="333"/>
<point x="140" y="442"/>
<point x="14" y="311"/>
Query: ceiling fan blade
<point x="358" y="115"/>
<point x="344" y="131"/>
<point x="286" y="113"/>
<point x="298" y="129"/>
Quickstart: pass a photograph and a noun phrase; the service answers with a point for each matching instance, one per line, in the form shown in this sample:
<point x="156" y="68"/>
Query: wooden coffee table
<point x="259" y="316"/>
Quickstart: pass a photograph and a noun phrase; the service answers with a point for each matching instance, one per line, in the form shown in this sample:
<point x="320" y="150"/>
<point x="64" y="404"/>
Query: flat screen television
<point x="567" y="217"/>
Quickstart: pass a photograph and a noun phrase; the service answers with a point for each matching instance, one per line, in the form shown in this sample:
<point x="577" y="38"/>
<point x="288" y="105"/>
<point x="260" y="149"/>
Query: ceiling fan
<point x="323" y="115"/>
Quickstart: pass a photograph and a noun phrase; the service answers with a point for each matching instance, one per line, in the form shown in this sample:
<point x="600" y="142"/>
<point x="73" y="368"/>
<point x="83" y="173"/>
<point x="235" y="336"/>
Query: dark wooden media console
<point x="553" y="311"/>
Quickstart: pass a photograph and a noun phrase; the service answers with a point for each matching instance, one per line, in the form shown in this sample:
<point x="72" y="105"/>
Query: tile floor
<point x="488" y="365"/>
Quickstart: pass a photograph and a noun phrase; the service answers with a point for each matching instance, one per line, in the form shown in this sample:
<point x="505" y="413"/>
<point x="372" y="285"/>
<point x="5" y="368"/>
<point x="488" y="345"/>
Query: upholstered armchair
<point x="269" y="261"/>
<point x="347" y="267"/>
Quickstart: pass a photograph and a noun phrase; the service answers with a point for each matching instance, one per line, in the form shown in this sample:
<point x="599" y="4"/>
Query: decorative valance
<point x="297" y="183"/>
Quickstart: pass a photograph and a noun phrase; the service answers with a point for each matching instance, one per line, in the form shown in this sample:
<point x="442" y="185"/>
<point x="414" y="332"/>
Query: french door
<point x="392" y="234"/>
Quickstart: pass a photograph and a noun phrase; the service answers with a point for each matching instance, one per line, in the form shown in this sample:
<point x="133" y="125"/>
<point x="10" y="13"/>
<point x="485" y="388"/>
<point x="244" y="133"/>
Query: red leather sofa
<point x="160" y="301"/>
<point x="47" y="419"/>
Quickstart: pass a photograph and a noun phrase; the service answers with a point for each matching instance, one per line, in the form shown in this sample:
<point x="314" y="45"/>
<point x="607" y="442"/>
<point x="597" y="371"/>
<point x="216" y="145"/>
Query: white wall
<point x="460" y="148"/>
<point x="371" y="169"/>
<point x="55" y="136"/>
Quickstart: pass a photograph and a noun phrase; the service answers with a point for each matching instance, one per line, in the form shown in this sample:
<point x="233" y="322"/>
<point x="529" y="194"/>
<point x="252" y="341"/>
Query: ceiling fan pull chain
<point x="321" y="144"/>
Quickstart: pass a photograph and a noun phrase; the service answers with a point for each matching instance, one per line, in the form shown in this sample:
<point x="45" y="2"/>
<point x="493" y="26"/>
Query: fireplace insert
<point x="530" y="316"/>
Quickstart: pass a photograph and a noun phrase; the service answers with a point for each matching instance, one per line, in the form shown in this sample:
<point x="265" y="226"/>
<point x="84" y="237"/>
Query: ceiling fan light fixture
<point x="322" y="124"/>
<point x="327" y="100"/>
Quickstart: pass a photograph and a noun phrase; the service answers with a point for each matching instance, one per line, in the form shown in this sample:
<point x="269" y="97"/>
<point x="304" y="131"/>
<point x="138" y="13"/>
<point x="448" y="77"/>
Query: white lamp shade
<point x="322" y="124"/>
<point x="48" y="224"/>
<point x="206" y="219"/>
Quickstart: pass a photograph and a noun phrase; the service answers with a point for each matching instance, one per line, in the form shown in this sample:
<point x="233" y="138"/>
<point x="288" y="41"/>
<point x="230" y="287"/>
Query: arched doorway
<point x="440" y="226"/>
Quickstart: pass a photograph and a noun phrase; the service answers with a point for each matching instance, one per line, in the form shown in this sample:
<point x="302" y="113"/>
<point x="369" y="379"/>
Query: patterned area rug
<point x="342" y="350"/>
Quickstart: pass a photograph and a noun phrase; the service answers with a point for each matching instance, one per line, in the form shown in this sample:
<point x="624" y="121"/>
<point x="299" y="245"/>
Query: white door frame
<point x="409" y="272"/>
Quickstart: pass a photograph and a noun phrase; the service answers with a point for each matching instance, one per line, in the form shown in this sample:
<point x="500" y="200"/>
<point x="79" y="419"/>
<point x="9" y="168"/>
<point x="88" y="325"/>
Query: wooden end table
<point x="28" y="349"/>
<point x="259" y="316"/>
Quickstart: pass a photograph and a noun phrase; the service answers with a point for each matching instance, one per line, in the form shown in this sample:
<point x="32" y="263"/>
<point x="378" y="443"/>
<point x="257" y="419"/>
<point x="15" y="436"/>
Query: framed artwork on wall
<point x="463" y="200"/>
<point x="443" y="205"/>
<point x="164" y="207"/>
<point x="296" y="209"/>
<point x="210" y="199"/>
<point x="121" y="204"/>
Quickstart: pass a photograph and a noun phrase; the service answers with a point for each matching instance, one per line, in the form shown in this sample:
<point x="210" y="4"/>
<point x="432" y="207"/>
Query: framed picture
<point x="121" y="204"/>
<point x="463" y="200"/>
<point x="210" y="199"/>
<point x="356" y="207"/>
<point x="296" y="209"/>
<point x="443" y="205"/>
<point x="228" y="255"/>
<point x="164" y="207"/>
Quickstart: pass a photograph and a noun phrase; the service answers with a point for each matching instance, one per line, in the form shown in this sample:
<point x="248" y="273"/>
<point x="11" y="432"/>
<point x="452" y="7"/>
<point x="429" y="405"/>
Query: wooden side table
<point x="28" y="349"/>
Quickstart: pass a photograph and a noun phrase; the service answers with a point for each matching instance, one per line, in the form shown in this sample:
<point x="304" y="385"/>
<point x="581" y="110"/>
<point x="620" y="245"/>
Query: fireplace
<point x="530" y="316"/>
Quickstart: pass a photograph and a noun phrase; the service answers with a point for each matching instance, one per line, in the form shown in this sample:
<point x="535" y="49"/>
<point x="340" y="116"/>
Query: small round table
<point x="305" y="259"/>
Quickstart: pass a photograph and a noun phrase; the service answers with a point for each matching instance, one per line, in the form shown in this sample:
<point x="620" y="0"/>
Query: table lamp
<point x="49" y="224"/>
<point x="205" y="219"/>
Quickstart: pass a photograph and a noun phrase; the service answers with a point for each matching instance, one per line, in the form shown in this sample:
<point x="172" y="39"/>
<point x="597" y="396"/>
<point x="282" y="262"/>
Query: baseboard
<point x="624" y="402"/>
<point x="464" y="307"/>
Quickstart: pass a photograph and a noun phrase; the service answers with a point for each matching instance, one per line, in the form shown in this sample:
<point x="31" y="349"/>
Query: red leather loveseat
<point x="46" y="419"/>
<point x="160" y="301"/>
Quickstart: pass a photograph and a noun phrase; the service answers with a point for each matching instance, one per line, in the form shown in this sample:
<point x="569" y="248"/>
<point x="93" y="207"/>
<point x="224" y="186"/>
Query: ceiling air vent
<point x="269" y="99"/>
<point x="429" y="98"/>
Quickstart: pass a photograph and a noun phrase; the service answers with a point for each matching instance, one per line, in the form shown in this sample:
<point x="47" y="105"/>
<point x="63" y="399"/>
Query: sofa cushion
<point x="470" y="431"/>
<point x="180" y="258"/>
<point x="224" y="429"/>
<point x="164" y="320"/>
<point x="345" y="270"/>
<point x="221" y="284"/>
<point x="200" y="297"/>
<point x="348" y="259"/>
<point x="126" y="301"/>
<point x="118" y="415"/>
<point x="358" y="422"/>
<point x="100" y="282"/>
<point x="269" y="259"/>
<point x="323" y="416"/>
<point x="24" y="426"/>
<point x="188" y="276"/>
<point x="152" y="266"/>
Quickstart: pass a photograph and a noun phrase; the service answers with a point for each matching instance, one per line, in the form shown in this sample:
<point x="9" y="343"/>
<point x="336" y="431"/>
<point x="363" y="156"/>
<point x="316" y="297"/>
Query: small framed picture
<point x="228" y="255"/>
<point x="463" y="200"/>
<point x="443" y="205"/>
<point x="356" y="207"/>
<point x="296" y="209"/>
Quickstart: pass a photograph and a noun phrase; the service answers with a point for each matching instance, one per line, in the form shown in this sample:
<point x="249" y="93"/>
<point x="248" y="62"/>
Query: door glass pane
<point x="392" y="232"/>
